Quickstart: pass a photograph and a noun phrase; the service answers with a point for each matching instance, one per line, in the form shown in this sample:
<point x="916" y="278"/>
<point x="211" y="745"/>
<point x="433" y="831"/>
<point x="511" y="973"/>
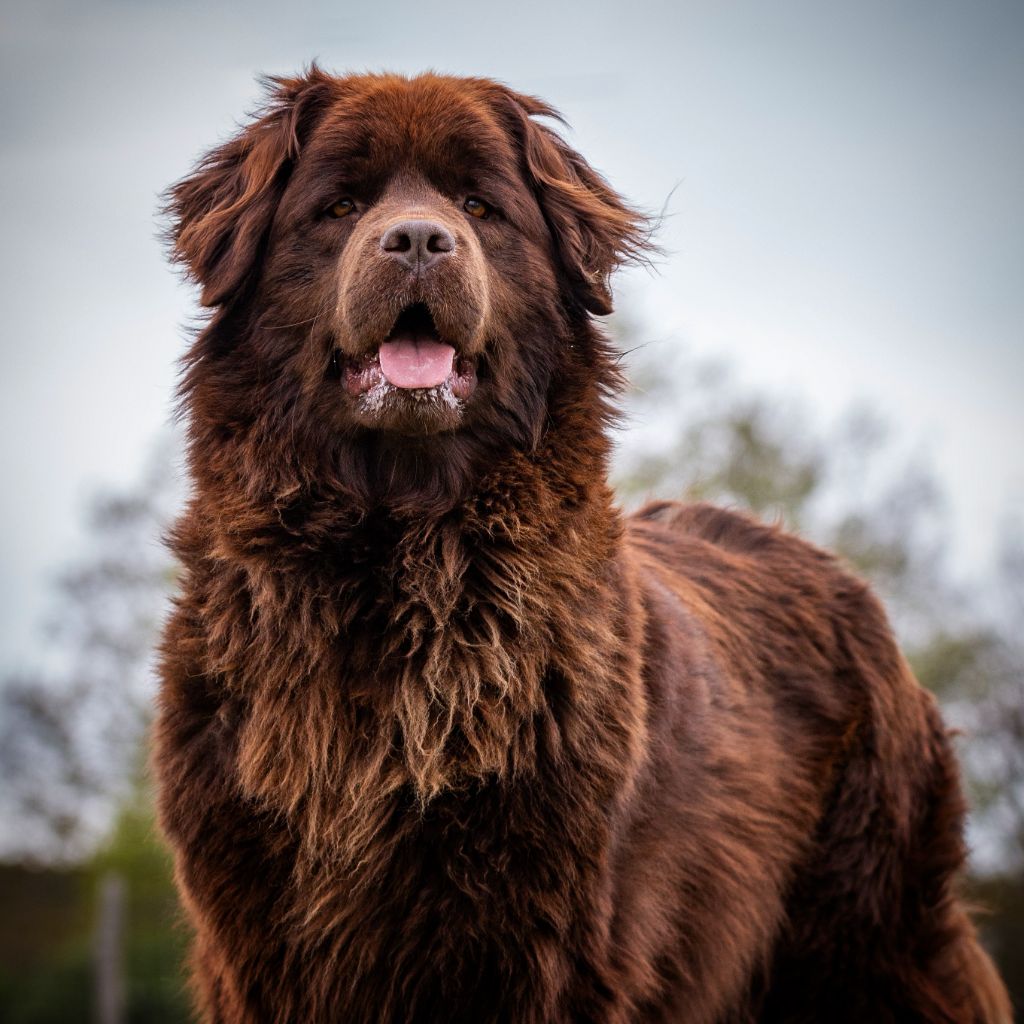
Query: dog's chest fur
<point x="420" y="717"/>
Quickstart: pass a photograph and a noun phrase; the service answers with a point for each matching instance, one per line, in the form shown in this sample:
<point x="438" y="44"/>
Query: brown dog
<point x="442" y="736"/>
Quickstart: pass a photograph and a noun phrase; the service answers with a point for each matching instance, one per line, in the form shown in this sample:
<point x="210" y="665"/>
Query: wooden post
<point x="109" y="976"/>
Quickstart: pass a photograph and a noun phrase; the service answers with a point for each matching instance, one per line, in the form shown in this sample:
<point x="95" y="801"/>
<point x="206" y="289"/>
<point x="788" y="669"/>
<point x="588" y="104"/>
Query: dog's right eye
<point x="342" y="208"/>
<point x="477" y="208"/>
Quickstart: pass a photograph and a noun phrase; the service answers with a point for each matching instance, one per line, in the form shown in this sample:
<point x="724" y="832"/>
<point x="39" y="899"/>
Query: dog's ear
<point x="593" y="228"/>
<point x="221" y="213"/>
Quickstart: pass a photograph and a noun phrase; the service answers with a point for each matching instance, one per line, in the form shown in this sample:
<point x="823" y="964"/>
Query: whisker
<point x="299" y="323"/>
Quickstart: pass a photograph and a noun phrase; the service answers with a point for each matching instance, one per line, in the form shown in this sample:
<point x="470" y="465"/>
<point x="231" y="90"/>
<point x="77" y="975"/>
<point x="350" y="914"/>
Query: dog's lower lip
<point x="361" y="373"/>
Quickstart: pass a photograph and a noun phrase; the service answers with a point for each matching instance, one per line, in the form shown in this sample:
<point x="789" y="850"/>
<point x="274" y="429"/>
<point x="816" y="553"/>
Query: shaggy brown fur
<point x="443" y="737"/>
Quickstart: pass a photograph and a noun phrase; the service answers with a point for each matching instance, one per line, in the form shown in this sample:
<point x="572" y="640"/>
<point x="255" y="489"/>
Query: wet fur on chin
<point x="443" y="736"/>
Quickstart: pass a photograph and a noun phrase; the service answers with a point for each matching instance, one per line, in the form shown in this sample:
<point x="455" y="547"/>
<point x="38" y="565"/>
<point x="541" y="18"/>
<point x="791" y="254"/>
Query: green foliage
<point x="50" y="924"/>
<point x="155" y="935"/>
<point x="45" y="953"/>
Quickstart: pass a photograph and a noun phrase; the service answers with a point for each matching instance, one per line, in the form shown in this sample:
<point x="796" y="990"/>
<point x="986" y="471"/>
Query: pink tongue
<point x="408" y="363"/>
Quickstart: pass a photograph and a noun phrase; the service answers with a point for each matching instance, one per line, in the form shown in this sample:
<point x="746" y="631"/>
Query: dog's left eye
<point x="477" y="208"/>
<point x="342" y="208"/>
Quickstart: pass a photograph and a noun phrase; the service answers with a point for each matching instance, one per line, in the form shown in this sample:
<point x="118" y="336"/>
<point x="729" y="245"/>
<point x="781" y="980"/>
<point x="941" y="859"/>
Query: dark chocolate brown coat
<point x="442" y="735"/>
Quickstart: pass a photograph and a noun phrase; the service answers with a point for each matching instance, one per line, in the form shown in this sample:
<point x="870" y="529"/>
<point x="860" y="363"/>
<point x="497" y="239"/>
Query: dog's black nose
<point x="417" y="243"/>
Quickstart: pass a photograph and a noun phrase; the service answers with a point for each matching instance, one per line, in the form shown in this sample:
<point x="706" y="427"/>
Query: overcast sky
<point x="847" y="221"/>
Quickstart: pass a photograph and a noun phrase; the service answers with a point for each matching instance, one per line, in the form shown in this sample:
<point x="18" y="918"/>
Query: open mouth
<point x="415" y="360"/>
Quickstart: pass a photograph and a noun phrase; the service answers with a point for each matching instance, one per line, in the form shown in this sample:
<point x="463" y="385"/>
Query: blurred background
<point x="834" y="337"/>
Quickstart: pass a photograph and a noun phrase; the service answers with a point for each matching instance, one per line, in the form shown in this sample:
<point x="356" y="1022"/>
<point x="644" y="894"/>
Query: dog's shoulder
<point x="726" y="527"/>
<point x="700" y="525"/>
<point x="748" y="568"/>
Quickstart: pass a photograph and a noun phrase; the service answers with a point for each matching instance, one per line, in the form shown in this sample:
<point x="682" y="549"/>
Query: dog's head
<point x="392" y="258"/>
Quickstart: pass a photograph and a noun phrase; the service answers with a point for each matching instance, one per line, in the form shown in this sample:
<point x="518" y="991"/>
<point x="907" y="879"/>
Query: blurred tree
<point x="70" y="740"/>
<point x="694" y="433"/>
<point x="988" y="705"/>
